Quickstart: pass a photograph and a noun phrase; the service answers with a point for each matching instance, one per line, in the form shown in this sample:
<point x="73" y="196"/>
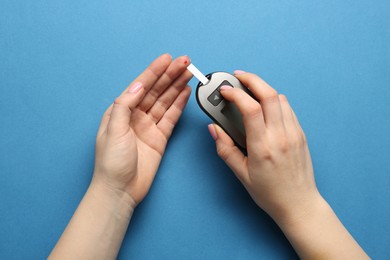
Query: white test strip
<point x="199" y="75"/>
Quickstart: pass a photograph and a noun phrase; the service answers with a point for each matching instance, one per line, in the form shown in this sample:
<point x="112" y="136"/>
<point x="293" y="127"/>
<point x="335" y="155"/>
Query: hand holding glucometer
<point x="221" y="111"/>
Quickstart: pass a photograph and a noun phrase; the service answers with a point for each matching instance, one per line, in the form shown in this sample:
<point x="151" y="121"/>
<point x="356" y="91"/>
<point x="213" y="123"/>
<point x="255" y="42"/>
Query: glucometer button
<point x="224" y="83"/>
<point x="215" y="98"/>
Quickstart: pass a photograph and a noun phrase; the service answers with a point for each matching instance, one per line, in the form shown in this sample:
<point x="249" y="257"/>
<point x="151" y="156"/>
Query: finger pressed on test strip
<point x="199" y="75"/>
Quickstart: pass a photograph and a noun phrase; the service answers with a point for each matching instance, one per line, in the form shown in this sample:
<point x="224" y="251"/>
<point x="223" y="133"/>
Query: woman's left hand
<point x="135" y="129"/>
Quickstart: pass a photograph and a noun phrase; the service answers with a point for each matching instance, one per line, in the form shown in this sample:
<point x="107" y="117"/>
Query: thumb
<point x="229" y="152"/>
<point x="121" y="111"/>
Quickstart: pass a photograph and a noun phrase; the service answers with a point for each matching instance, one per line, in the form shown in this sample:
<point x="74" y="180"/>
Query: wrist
<point x="296" y="213"/>
<point x="317" y="233"/>
<point x="114" y="200"/>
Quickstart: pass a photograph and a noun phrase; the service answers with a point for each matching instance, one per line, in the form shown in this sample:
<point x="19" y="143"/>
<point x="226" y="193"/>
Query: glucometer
<point x="221" y="111"/>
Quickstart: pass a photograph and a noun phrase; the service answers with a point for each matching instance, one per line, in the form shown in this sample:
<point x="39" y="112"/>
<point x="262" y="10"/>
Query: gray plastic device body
<point x="221" y="111"/>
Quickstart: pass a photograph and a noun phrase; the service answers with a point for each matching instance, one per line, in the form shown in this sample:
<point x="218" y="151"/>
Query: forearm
<point x="98" y="226"/>
<point x="319" y="234"/>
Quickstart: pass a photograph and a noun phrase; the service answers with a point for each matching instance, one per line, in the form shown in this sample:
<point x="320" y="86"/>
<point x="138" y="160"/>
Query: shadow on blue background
<point x="63" y="62"/>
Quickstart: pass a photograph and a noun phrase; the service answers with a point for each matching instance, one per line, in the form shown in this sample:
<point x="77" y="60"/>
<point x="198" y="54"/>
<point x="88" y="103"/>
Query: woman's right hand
<point x="278" y="171"/>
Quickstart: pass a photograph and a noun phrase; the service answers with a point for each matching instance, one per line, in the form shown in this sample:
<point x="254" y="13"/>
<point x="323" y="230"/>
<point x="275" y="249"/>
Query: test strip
<point x="199" y="75"/>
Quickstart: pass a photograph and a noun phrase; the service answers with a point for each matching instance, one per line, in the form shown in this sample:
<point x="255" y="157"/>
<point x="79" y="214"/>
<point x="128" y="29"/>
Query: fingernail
<point x="212" y="131"/>
<point x="135" y="88"/>
<point x="225" y="87"/>
<point x="239" y="72"/>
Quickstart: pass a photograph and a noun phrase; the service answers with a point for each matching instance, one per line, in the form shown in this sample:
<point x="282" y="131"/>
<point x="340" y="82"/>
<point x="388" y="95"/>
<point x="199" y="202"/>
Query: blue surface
<point x="63" y="62"/>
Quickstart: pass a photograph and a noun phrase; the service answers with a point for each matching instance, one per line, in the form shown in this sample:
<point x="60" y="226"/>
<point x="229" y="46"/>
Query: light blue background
<point x="63" y="62"/>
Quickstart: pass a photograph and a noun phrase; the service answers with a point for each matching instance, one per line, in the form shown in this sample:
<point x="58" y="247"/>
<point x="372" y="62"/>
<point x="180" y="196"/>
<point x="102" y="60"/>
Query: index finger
<point x="268" y="97"/>
<point x="252" y="114"/>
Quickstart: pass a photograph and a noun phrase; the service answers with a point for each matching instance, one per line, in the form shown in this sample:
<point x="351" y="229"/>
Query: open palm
<point x="136" y="128"/>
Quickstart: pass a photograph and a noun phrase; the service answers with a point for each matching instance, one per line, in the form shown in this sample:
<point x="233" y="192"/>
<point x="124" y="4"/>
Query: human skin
<point x="278" y="173"/>
<point x="130" y="143"/>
